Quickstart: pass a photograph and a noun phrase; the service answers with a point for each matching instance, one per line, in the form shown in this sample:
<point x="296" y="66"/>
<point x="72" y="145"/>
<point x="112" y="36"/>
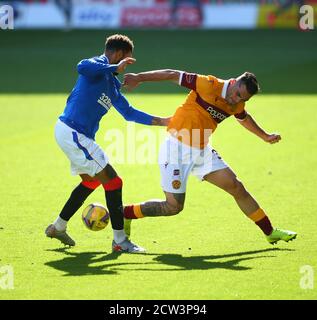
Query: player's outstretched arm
<point x="249" y="123"/>
<point x="130" y="114"/>
<point x="95" y="67"/>
<point x="124" y="63"/>
<point x="132" y="80"/>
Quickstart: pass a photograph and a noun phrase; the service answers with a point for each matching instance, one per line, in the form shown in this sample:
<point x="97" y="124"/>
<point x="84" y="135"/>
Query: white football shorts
<point x="177" y="160"/>
<point x="85" y="155"/>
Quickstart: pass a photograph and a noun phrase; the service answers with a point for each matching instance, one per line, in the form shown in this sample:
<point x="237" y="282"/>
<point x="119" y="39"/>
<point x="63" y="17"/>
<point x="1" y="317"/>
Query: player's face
<point x="120" y="55"/>
<point x="237" y="92"/>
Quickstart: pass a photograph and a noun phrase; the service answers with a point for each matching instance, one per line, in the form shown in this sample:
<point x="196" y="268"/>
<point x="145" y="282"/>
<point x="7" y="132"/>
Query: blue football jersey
<point x="97" y="89"/>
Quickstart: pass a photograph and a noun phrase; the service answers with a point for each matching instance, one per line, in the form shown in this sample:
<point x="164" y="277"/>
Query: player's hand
<point x="166" y="121"/>
<point x="156" y="121"/>
<point x="130" y="81"/>
<point x="272" y="138"/>
<point x="123" y="64"/>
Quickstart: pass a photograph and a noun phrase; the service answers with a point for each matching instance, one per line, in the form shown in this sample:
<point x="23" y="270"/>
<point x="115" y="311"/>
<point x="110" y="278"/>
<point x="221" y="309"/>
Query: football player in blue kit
<point x="97" y="89"/>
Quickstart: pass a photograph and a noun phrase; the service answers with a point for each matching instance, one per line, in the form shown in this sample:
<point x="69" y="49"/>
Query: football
<point x="95" y="217"/>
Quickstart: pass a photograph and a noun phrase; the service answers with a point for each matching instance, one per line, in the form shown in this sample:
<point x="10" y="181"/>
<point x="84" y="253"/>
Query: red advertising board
<point x="161" y="16"/>
<point x="188" y="16"/>
<point x="158" y="16"/>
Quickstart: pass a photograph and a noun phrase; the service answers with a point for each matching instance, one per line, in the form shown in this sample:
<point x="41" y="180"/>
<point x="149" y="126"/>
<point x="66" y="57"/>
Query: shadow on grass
<point x="76" y="264"/>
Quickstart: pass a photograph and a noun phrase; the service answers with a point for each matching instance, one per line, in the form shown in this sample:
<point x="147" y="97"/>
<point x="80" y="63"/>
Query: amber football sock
<point x="133" y="212"/>
<point x="262" y="221"/>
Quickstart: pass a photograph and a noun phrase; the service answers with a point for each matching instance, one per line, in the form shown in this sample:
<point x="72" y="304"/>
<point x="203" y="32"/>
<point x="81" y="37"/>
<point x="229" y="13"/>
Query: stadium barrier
<point x="152" y="14"/>
<point x="35" y="15"/>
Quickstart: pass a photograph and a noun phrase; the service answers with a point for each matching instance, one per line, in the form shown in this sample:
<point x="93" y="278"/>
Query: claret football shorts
<point x="85" y="155"/>
<point x="178" y="160"/>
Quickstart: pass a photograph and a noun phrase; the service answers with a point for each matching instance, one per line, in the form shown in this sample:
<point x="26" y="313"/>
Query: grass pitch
<point x="209" y="251"/>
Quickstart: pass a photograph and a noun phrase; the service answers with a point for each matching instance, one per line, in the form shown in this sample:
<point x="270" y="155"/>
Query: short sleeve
<point x="188" y="80"/>
<point x="196" y="82"/>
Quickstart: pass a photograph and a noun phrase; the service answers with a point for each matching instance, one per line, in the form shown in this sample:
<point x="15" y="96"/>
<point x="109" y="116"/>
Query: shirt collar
<point x="224" y="89"/>
<point x="104" y="57"/>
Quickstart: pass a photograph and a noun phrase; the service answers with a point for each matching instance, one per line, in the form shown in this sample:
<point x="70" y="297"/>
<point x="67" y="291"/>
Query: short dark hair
<point x="251" y="83"/>
<point x="118" y="42"/>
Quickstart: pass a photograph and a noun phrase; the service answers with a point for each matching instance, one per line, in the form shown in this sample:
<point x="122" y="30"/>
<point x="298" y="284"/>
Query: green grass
<point x="209" y="251"/>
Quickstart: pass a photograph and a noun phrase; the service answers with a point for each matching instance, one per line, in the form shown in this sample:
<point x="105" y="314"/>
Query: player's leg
<point x="76" y="199"/>
<point x="213" y="169"/>
<point x="81" y="162"/>
<point x="78" y="196"/>
<point x="172" y="205"/>
<point x="174" y="175"/>
<point x="228" y="181"/>
<point x="112" y="185"/>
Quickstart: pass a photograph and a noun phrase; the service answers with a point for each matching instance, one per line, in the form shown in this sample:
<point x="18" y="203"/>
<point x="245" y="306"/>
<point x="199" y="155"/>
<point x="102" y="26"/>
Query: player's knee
<point x="236" y="188"/>
<point x="174" y="208"/>
<point x="106" y="174"/>
<point x="91" y="184"/>
<point x="113" y="184"/>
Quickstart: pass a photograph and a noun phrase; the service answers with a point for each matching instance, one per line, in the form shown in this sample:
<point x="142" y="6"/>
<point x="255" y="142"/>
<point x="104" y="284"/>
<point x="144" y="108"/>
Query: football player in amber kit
<point x="186" y="150"/>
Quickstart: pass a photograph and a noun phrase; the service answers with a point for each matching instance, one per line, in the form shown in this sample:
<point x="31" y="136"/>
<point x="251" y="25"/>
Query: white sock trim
<point x="60" y="224"/>
<point x="119" y="235"/>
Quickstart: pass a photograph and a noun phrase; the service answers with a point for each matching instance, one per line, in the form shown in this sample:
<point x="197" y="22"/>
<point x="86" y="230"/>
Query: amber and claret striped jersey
<point x="204" y="108"/>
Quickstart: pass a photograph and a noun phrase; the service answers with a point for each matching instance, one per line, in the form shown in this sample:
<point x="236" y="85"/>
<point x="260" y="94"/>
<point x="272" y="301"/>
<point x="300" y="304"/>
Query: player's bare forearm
<point x="250" y="124"/>
<point x="159" y="75"/>
<point x="124" y="63"/>
<point x="157" y="121"/>
<point x="132" y="80"/>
